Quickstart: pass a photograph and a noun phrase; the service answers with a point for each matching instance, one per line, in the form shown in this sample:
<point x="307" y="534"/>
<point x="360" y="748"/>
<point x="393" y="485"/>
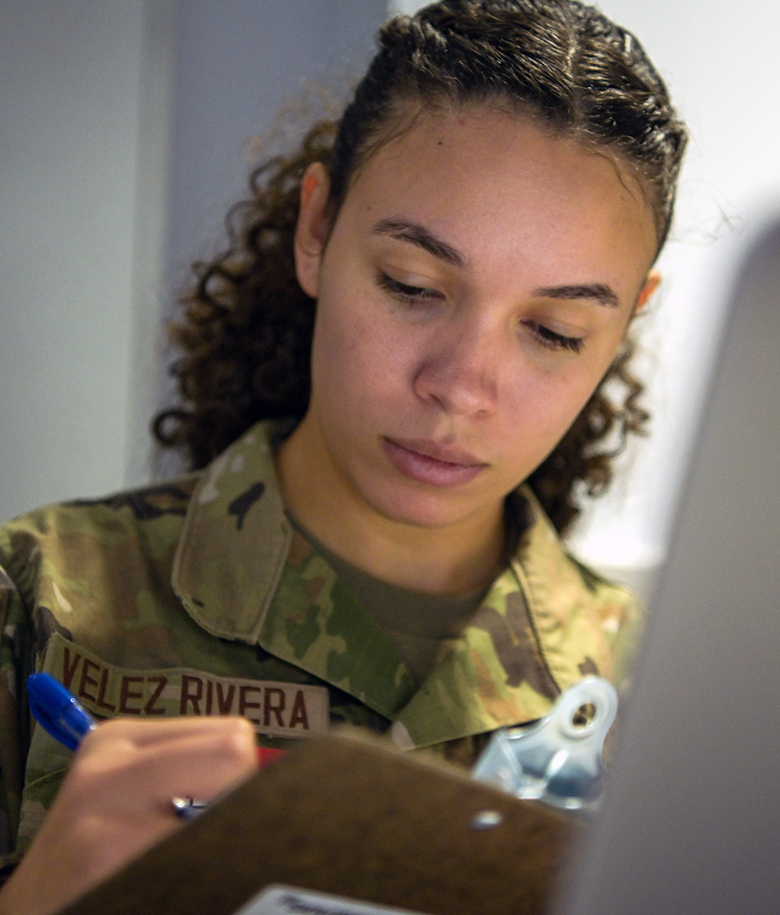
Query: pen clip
<point x="58" y="712"/>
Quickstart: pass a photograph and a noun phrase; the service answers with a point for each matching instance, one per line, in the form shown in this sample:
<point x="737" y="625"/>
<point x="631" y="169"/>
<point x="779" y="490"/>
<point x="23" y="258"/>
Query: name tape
<point x="277" y="709"/>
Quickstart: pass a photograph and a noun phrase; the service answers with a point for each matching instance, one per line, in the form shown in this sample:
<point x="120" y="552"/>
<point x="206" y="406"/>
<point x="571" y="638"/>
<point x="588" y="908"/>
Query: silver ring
<point x="187" y="808"/>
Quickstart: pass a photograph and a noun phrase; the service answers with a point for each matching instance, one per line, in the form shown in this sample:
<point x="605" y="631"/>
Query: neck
<point x="434" y="559"/>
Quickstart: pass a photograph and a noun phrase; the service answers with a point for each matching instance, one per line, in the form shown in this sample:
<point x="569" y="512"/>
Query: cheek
<point x="541" y="409"/>
<point x="354" y="359"/>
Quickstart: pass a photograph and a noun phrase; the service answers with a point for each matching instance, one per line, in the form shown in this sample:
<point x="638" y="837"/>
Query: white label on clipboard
<point x="286" y="900"/>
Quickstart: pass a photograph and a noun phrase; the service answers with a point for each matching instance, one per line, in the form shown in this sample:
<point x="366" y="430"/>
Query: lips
<point x="432" y="463"/>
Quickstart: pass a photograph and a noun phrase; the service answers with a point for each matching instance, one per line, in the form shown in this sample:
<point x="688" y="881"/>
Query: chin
<point x="418" y="509"/>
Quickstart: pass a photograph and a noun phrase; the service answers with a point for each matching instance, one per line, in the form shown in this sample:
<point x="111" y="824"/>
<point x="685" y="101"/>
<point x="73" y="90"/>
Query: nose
<point x="460" y="369"/>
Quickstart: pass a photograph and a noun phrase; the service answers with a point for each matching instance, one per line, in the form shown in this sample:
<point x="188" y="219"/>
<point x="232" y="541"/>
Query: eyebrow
<point x="600" y="292"/>
<point x="418" y="235"/>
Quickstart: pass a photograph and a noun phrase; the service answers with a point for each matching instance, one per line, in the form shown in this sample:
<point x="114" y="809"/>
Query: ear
<point x="652" y="283"/>
<point x="311" y="231"/>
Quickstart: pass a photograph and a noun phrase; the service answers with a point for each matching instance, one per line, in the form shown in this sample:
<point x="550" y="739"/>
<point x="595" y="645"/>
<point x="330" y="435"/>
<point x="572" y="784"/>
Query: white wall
<point x="124" y="129"/>
<point x="69" y="109"/>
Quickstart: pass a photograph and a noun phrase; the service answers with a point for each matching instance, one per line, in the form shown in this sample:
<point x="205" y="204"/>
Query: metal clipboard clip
<point x="558" y="759"/>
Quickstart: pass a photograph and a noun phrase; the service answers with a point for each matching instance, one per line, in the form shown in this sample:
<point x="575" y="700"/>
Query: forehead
<point x="484" y="173"/>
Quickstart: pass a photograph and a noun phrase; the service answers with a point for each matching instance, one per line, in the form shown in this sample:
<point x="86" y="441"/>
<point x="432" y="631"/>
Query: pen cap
<point x="58" y="712"/>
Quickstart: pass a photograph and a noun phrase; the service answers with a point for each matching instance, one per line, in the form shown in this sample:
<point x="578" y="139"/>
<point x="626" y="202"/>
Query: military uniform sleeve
<point x="15" y="657"/>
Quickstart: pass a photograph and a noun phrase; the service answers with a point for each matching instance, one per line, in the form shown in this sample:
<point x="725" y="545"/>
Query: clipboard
<point x="349" y="815"/>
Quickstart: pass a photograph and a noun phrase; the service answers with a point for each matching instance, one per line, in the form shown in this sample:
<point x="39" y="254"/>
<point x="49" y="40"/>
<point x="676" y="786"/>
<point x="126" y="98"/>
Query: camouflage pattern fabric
<point x="198" y="598"/>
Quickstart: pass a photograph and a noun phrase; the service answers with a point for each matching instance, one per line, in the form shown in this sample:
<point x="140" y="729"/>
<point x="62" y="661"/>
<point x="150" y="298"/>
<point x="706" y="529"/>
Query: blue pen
<point x="58" y="712"/>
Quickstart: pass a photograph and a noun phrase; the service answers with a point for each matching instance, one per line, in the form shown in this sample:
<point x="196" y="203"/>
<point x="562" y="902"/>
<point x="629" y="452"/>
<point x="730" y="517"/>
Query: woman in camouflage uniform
<point x="395" y="385"/>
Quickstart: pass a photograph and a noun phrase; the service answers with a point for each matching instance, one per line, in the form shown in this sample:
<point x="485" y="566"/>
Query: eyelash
<point x="404" y="292"/>
<point x="553" y="340"/>
<point x="416" y="294"/>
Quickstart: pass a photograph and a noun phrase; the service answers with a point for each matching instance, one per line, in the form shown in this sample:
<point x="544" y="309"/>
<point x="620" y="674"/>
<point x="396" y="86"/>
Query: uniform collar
<point x="235" y="540"/>
<point x="546" y="623"/>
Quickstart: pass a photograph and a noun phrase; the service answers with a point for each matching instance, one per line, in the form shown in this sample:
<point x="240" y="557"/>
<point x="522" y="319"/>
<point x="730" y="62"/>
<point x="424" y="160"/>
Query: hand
<point x="115" y="802"/>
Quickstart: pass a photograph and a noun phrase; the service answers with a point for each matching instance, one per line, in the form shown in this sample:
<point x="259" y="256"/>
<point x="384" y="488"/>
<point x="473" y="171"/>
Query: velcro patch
<point x="276" y="709"/>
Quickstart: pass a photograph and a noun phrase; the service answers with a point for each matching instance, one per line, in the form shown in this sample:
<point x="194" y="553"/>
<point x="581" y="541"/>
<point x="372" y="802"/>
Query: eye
<point x="404" y="292"/>
<point x="553" y="340"/>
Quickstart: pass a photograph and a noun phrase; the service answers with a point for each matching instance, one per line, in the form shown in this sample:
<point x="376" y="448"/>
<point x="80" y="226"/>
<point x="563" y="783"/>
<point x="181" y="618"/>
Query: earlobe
<point x="652" y="283"/>
<point x="311" y="231"/>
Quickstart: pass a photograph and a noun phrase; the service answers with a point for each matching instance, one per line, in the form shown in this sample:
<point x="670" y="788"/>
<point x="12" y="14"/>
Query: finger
<point x="199" y="765"/>
<point x="201" y="762"/>
<point x="147" y="731"/>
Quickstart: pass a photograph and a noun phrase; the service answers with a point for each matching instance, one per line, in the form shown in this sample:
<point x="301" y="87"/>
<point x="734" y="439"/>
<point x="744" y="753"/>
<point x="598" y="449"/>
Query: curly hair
<point x="246" y="329"/>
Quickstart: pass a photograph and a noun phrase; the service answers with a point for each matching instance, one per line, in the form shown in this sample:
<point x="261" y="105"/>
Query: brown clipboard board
<point x="351" y="816"/>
